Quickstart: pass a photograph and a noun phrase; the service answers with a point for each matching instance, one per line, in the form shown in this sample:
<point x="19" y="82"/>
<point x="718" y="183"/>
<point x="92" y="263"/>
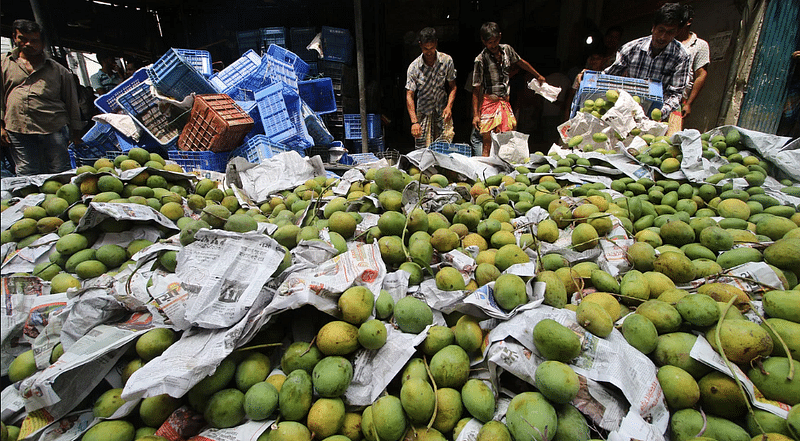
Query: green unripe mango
<point x="418" y="400"/>
<point x="555" y="341"/>
<point x="640" y="333"/>
<point x="530" y="416"/>
<point x="478" y="399"/>
<point x="388" y="418"/>
<point x="557" y="382"/>
<point x="110" y="430"/>
<point x="295" y="395"/>
<point x="253" y="369"/>
<point x="331" y="376"/>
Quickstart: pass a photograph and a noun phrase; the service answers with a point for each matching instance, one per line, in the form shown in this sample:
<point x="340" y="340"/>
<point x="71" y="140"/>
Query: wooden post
<point x="362" y="99"/>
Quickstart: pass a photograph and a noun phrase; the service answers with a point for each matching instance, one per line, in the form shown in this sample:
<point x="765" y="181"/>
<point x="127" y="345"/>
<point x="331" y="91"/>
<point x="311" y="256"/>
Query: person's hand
<point x="541" y="79"/>
<point x="416" y="130"/>
<point x="4" y="138"/>
<point x="476" y="122"/>
<point x="75" y="138"/>
<point x="447" y="113"/>
<point x="796" y="54"/>
<point x="686" y="109"/>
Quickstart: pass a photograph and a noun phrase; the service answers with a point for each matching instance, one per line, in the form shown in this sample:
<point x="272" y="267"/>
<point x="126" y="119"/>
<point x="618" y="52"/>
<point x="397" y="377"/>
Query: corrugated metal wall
<point x="766" y="90"/>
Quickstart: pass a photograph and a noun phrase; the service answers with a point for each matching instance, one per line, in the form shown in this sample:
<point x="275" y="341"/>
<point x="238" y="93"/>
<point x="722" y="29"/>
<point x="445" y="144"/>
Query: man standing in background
<point x="700" y="58"/>
<point x="40" y="107"/>
<point x="491" y="110"/>
<point x="108" y="76"/>
<point x="430" y="92"/>
<point x="658" y="57"/>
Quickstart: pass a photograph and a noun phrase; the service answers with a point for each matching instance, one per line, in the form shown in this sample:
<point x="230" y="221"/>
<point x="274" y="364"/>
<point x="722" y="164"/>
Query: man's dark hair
<point x="26" y="27"/>
<point x="671" y="14"/>
<point x="489" y="30"/>
<point x="427" y="35"/>
<point x="104" y="55"/>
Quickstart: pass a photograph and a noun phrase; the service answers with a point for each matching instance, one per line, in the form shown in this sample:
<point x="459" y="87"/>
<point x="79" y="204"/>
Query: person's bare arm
<point x="451" y="97"/>
<point x="699" y="81"/>
<point x="416" y="129"/>
<point x="524" y="65"/>
<point x="477" y="96"/>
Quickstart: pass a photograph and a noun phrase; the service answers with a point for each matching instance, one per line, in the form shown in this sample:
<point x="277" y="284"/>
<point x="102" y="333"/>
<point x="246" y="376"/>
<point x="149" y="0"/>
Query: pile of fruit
<point x="678" y="239"/>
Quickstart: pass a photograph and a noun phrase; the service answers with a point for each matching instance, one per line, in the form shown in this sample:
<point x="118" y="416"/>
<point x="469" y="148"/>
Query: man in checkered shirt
<point x="431" y="79"/>
<point x="659" y="57"/>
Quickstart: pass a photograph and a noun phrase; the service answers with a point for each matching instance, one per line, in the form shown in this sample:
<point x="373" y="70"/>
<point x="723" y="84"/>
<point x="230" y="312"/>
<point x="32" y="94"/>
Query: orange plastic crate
<point x="217" y="124"/>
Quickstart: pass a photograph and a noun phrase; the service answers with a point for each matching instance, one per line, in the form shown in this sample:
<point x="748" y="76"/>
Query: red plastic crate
<point x="217" y="124"/>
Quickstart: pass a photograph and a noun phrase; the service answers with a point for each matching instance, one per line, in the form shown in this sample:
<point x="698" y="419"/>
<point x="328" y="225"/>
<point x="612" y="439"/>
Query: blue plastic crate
<point x="142" y="106"/>
<point x="362" y="158"/>
<point x="233" y="75"/>
<point x="290" y="58"/>
<point x="279" y="109"/>
<point x="108" y="102"/>
<point x="72" y="163"/>
<point x="337" y="44"/>
<point x="112" y="154"/>
<point x="259" y="39"/>
<point x="352" y="126"/>
<point x="200" y="160"/>
<point x="274" y="35"/>
<point x="318" y="94"/>
<point x="251" y="107"/>
<point x="97" y="141"/>
<point x="200" y="60"/>
<point x="331" y="69"/>
<point x="259" y="148"/>
<point x="595" y="84"/>
<point x="300" y="39"/>
<point x="175" y="77"/>
<point x="447" y="148"/>
<point x="313" y="69"/>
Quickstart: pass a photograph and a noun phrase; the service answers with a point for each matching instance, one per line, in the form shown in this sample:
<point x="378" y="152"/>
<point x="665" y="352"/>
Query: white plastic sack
<point x="548" y="91"/>
<point x="510" y="146"/>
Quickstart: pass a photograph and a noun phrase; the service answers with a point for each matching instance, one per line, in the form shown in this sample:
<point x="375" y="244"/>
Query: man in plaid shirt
<point x="659" y="57"/>
<point x="431" y="79"/>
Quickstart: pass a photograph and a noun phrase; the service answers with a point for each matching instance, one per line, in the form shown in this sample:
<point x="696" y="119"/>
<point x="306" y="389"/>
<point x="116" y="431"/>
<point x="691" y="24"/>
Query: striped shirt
<point x="672" y="67"/>
<point x="428" y="82"/>
<point x="492" y="75"/>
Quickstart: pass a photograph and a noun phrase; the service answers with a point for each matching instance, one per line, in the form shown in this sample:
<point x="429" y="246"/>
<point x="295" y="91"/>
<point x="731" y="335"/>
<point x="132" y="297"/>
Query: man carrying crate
<point x="431" y="114"/>
<point x="658" y="57"/>
<point x="491" y="110"/>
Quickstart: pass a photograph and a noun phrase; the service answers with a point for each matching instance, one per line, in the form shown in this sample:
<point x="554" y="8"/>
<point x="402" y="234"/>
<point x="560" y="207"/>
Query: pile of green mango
<point x="681" y="232"/>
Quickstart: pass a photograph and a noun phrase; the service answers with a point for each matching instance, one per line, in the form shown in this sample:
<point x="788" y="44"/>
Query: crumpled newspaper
<point x="122" y="122"/>
<point x="549" y="92"/>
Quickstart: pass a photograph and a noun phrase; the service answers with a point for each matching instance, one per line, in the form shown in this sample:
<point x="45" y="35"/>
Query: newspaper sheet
<point x="14" y="213"/>
<point x="23" y="315"/>
<point x="93" y="307"/>
<point x="26" y="259"/>
<point x="281" y="172"/>
<point x="609" y="359"/>
<point x="704" y="353"/>
<point x="19" y="182"/>
<point x="624" y="115"/>
<point x="52" y="393"/>
<point x="224" y="272"/>
<point x="69" y="428"/>
<point x="320" y="286"/>
<point x="429" y="198"/>
<point x="100" y="211"/>
<point x="373" y="370"/>
<point x="248" y="431"/>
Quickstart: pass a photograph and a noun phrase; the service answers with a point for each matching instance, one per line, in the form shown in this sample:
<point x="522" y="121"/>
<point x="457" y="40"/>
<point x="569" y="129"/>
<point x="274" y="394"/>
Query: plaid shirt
<point x="428" y="82"/>
<point x="672" y="67"/>
<point x="492" y="75"/>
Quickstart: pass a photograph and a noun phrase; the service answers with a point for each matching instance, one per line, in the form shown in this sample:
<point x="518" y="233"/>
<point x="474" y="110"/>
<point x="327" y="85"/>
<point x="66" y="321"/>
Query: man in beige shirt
<point x="39" y="105"/>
